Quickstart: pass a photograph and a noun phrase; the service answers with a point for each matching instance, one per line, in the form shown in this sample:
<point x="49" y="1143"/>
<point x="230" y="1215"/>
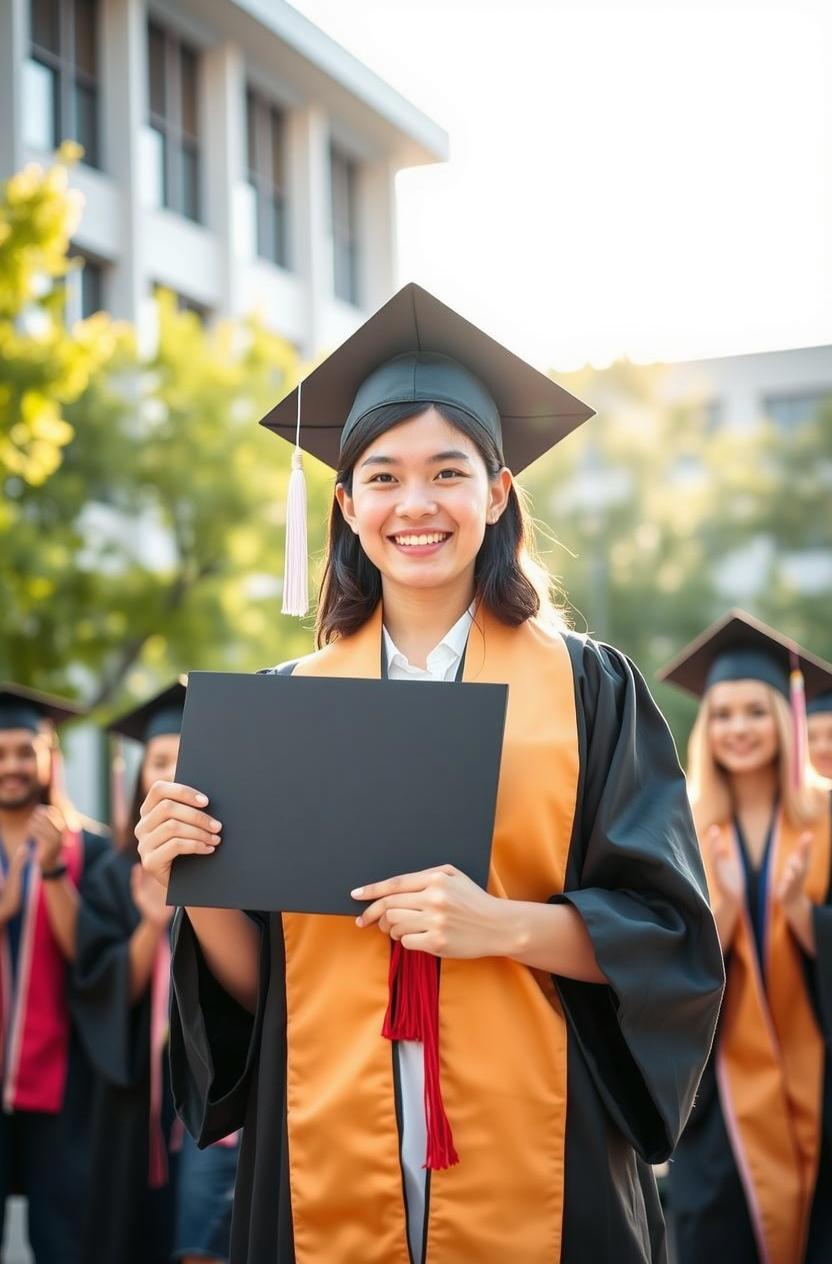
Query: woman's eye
<point x="450" y="474"/>
<point x="382" y="478"/>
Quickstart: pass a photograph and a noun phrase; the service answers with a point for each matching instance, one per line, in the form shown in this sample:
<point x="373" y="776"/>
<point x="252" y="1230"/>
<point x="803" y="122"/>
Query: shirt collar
<point x="449" y="650"/>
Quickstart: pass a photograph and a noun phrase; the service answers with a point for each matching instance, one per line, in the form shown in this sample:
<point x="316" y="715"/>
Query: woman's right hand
<point x="173" y="824"/>
<point x="726" y="869"/>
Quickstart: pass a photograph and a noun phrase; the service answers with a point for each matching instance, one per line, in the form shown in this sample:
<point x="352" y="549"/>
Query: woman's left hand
<point x="792" y="896"/>
<point x="440" y="911"/>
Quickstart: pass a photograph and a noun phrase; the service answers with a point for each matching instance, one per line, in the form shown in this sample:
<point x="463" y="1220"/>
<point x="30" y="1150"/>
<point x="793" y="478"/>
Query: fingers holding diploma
<point x="172" y="823"/>
<point x="439" y="910"/>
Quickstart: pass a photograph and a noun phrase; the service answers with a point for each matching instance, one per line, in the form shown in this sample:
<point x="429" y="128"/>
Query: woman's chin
<point x="736" y="764"/>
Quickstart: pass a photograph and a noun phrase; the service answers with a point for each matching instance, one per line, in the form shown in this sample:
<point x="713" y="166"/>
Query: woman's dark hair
<point x="509" y="581"/>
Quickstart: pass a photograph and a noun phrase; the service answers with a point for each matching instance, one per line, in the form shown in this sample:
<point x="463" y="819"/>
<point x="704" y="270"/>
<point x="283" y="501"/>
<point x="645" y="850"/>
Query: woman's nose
<point x="416" y="503"/>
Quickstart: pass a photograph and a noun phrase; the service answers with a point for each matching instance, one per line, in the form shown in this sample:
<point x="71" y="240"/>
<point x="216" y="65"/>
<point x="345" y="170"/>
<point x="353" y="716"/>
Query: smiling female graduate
<point x="153" y="1195"/>
<point x="751" y="1177"/>
<point x="515" y="1117"/>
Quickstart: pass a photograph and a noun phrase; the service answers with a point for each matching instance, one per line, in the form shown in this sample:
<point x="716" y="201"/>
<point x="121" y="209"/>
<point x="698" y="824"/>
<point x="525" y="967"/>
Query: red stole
<point x="34" y="1006"/>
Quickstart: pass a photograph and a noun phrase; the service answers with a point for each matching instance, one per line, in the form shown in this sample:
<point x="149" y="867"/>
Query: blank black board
<point x="323" y="785"/>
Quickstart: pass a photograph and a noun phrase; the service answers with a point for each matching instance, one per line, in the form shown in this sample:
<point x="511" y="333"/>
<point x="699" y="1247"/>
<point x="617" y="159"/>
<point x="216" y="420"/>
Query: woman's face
<point x="160" y="758"/>
<point x="741" y="726"/>
<point x="421" y="499"/>
<point x="820" y="743"/>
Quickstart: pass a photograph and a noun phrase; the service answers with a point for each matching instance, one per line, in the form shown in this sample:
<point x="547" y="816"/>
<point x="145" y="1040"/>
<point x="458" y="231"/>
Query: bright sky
<point x="626" y="177"/>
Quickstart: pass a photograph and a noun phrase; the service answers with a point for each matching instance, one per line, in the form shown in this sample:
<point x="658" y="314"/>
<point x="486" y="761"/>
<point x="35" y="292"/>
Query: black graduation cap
<point x="416" y="349"/>
<point x="821" y="705"/>
<point x="740" y="647"/>
<point x="159" y="714"/>
<point x="413" y="350"/>
<point x="22" y="708"/>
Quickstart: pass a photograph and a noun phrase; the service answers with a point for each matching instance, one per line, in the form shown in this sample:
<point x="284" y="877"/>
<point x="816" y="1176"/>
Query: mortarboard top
<point x="740" y="647"/>
<point x="22" y="708"/>
<point x="820" y="705"/>
<point x="416" y="349"/>
<point x="159" y="714"/>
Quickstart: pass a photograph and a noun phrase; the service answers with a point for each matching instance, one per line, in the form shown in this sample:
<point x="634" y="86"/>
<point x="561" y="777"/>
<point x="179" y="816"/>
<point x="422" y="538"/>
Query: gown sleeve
<point x="636" y="878"/>
<point x="97" y="849"/>
<point x="213" y="1040"/>
<point x="114" y="1032"/>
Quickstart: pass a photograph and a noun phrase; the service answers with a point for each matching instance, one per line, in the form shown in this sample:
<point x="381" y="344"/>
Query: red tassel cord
<point x="413" y="1014"/>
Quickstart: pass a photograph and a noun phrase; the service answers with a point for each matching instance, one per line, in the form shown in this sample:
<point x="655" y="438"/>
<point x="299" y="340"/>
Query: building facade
<point x="785" y="387"/>
<point x="233" y="153"/>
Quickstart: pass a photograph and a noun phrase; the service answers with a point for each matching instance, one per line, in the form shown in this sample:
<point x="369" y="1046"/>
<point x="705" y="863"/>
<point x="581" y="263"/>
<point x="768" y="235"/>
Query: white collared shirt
<point x="442" y="663"/>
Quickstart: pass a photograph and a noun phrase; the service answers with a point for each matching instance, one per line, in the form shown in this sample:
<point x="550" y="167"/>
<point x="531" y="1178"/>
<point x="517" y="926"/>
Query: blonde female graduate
<point x="577" y="995"/>
<point x="751" y="1177"/>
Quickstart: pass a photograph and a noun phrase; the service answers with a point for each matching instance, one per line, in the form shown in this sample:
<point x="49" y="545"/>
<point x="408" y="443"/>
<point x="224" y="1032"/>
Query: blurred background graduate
<point x="751" y="1177"/>
<point x="48" y="854"/>
<point x="819" y="721"/>
<point x="153" y="1195"/>
<point x="578" y="994"/>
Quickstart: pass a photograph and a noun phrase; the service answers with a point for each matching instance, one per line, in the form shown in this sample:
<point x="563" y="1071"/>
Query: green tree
<point x="45" y="365"/>
<point x="141" y="524"/>
<point x="157" y="545"/>
<point x="656" y="513"/>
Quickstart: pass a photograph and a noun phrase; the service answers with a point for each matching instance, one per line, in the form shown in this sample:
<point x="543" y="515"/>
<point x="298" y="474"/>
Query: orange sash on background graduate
<point x="502" y="1033"/>
<point x="770" y="1058"/>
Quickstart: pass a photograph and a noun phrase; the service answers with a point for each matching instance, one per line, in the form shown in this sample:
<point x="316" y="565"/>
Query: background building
<point x="233" y="153"/>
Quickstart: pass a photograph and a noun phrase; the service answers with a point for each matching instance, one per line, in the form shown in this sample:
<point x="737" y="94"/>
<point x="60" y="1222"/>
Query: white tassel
<point x="296" y="564"/>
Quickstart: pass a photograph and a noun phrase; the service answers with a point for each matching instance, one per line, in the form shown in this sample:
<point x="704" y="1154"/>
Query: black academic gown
<point x="706" y="1202"/>
<point x="635" y="876"/>
<point x="127" y="1222"/>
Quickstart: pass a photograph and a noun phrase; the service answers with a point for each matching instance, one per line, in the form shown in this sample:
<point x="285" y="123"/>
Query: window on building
<point x="173" y="69"/>
<point x="88" y="286"/>
<point x="712" y="415"/>
<point x="266" y="150"/>
<point x="788" y="411"/>
<point x="345" y="250"/>
<point x="83" y="287"/>
<point x="61" y="89"/>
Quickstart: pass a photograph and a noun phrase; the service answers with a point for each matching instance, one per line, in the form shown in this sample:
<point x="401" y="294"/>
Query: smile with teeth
<point x="430" y="537"/>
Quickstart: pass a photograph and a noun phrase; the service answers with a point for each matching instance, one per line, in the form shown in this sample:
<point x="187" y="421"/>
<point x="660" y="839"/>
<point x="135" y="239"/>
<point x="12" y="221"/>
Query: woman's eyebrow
<point x="453" y="454"/>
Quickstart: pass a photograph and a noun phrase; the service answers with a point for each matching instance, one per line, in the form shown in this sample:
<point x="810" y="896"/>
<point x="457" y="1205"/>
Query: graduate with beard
<point x="153" y="1195"/>
<point x="48" y="855"/>
<point x="751" y="1178"/>
<point x="459" y="1074"/>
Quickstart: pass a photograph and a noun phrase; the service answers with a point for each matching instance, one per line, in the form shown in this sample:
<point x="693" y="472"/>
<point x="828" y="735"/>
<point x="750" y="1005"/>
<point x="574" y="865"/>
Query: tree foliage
<point x="45" y="365"/>
<point x="664" y="523"/>
<point x="155" y="543"/>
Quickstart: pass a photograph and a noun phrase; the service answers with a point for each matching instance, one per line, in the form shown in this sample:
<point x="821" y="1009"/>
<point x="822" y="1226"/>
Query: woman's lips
<point x="420" y="543"/>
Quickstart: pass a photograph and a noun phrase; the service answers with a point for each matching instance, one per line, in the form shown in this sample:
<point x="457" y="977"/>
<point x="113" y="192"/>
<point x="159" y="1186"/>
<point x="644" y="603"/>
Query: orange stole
<point x="502" y="1036"/>
<point x="769" y="1061"/>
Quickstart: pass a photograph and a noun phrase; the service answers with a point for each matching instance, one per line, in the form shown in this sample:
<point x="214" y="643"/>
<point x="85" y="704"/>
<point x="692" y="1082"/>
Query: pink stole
<point x="34" y="1005"/>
